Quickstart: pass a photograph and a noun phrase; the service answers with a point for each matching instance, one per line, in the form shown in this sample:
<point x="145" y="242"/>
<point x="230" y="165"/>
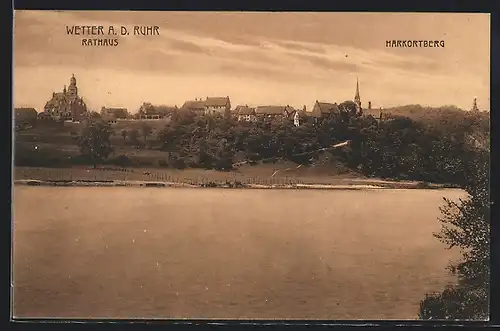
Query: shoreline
<point x="355" y="184"/>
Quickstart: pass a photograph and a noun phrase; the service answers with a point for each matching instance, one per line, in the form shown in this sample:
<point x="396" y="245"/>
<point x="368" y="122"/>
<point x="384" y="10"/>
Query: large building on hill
<point x="66" y="105"/>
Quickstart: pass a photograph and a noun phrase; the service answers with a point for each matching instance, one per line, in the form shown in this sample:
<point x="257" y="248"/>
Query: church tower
<point x="72" y="89"/>
<point x="357" y="98"/>
<point x="474" y="105"/>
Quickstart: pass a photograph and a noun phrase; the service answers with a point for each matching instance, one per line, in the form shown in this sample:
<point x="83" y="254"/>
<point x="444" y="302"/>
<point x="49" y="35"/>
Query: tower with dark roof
<point x="66" y="105"/>
<point x="474" y="105"/>
<point x="357" y="98"/>
<point x="72" y="89"/>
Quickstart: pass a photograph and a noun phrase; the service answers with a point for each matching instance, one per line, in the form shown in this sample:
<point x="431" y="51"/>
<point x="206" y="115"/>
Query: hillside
<point x="428" y="114"/>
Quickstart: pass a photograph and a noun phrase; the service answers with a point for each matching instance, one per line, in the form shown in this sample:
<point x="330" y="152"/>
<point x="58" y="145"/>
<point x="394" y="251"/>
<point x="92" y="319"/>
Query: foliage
<point x="94" y="141"/>
<point x="133" y="136"/>
<point x="124" y="134"/>
<point x="398" y="147"/>
<point x="145" y="130"/>
<point x="466" y="225"/>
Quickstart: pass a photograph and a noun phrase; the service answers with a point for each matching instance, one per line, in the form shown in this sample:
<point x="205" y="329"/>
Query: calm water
<point x="180" y="253"/>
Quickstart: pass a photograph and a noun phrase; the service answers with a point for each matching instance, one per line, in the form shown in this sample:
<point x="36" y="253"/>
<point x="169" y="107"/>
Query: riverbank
<point x="350" y="185"/>
<point x="251" y="178"/>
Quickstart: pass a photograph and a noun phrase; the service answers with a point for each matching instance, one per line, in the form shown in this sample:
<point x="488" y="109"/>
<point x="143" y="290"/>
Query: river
<point x="102" y="252"/>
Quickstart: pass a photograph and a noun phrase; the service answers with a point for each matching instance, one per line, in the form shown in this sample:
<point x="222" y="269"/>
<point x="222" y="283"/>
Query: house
<point x="196" y="106"/>
<point x="117" y="113"/>
<point x="274" y="112"/>
<point x="217" y="105"/>
<point x="296" y="119"/>
<point x="324" y="109"/>
<point x="245" y="113"/>
<point x="152" y="112"/>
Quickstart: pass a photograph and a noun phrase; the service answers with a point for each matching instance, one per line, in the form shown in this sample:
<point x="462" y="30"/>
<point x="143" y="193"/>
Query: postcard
<point x="251" y="165"/>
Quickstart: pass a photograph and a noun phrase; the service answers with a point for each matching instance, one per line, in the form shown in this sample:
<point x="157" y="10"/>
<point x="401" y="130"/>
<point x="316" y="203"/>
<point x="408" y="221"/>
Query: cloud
<point x="304" y="59"/>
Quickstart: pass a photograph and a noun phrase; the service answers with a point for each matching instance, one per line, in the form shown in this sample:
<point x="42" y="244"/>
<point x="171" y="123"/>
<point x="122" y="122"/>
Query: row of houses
<point x="68" y="105"/>
<point x="222" y="106"/>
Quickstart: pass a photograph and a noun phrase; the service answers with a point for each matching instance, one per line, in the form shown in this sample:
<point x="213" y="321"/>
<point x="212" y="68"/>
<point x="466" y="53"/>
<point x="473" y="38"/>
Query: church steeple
<point x="357" y="98"/>
<point x="474" y="105"/>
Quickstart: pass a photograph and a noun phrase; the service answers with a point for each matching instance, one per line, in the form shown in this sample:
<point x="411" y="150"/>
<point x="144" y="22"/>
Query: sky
<point x="276" y="58"/>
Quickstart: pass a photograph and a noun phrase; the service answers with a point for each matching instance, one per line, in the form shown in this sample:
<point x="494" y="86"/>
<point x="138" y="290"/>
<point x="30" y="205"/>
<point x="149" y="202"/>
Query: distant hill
<point x="445" y="119"/>
<point x="436" y="116"/>
<point x="421" y="113"/>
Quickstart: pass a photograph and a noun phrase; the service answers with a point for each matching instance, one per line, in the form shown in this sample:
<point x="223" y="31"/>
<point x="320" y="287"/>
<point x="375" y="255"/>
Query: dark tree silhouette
<point x="466" y="225"/>
<point x="133" y="135"/>
<point x="145" y="132"/>
<point x="94" y="141"/>
<point x="124" y="134"/>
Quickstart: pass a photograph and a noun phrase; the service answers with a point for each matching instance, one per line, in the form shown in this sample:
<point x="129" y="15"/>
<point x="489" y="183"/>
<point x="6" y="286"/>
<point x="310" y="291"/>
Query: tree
<point x="124" y="134"/>
<point x="94" y="141"/>
<point x="145" y="132"/>
<point x="466" y="225"/>
<point x="133" y="136"/>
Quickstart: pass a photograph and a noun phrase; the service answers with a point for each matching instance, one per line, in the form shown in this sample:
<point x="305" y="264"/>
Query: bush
<point x="466" y="225"/>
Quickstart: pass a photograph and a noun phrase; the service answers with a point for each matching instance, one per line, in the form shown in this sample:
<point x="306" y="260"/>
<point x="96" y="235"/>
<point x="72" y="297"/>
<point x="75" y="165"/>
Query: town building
<point x="117" y="113"/>
<point x="217" y="105"/>
<point x="322" y="110"/>
<point x="274" y="112"/>
<point x="66" y="105"/>
<point x="155" y="112"/>
<point x="196" y="106"/>
<point x="245" y="113"/>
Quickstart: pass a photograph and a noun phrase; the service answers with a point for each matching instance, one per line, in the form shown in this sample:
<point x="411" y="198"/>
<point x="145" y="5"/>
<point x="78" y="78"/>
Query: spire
<point x="357" y="88"/>
<point x="474" y="105"/>
<point x="357" y="98"/>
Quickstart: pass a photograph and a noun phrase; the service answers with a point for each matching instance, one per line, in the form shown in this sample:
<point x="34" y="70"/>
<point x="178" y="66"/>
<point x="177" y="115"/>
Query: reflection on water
<point x="180" y="253"/>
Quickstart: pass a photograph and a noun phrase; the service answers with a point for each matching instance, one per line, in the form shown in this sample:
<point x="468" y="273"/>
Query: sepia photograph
<point x="250" y="165"/>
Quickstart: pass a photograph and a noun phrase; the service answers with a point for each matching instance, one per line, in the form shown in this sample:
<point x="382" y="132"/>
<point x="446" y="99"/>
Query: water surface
<point x="194" y="253"/>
